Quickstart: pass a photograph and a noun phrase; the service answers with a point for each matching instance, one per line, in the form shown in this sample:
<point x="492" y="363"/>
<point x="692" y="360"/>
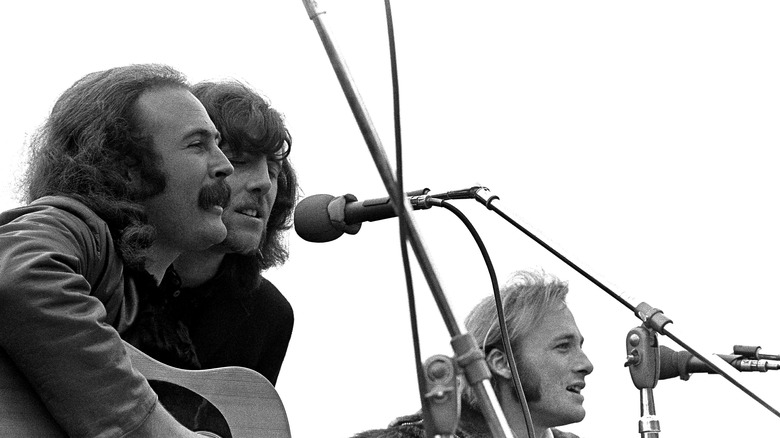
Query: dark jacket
<point x="472" y="425"/>
<point x="250" y="330"/>
<point x="63" y="299"/>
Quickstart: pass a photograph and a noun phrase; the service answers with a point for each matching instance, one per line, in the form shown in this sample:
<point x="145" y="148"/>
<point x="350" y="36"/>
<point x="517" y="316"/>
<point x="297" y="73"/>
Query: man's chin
<point x="236" y="244"/>
<point x="215" y="236"/>
<point x="577" y="415"/>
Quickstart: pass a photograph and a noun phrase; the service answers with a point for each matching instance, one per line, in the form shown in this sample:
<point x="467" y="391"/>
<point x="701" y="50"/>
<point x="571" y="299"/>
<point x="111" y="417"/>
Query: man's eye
<point x="201" y="145"/>
<point x="234" y="158"/>
<point x="274" y="168"/>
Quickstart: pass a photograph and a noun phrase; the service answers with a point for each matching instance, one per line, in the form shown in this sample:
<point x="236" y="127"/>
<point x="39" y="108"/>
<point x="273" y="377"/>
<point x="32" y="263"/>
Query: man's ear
<point x="497" y="363"/>
<point x="132" y="175"/>
<point x="132" y="172"/>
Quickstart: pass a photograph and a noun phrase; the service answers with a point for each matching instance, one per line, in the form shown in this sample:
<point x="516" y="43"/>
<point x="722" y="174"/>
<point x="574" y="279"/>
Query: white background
<point x="638" y="138"/>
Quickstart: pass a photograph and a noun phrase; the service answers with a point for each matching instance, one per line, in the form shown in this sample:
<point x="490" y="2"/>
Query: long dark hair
<point x="90" y="142"/>
<point x="250" y="125"/>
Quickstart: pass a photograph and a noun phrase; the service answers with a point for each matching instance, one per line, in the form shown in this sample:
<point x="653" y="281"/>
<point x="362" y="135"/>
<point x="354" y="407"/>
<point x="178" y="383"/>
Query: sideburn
<point x="143" y="163"/>
<point x="531" y="382"/>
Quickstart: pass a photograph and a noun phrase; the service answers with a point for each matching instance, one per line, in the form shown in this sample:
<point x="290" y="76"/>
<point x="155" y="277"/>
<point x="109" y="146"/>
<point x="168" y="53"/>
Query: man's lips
<point x="249" y="207"/>
<point x="576" y="387"/>
<point x="251" y="212"/>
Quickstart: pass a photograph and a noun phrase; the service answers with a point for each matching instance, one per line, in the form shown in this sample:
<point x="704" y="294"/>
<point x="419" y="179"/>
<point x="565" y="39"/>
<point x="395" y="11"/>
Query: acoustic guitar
<point x="230" y="402"/>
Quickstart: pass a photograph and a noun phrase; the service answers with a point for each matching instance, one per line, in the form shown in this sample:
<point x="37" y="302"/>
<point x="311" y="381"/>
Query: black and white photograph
<point x="202" y="233"/>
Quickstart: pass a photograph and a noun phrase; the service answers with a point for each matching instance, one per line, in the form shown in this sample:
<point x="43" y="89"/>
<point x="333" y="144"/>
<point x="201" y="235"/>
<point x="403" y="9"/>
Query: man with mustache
<point x="125" y="175"/>
<point x="548" y="352"/>
<point x="218" y="309"/>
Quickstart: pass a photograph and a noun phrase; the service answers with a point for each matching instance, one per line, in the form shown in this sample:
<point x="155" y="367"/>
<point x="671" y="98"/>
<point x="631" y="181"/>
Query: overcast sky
<point x="638" y="138"/>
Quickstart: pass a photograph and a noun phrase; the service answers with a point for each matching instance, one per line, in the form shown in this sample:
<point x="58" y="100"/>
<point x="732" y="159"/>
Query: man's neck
<point x="196" y="268"/>
<point x="158" y="259"/>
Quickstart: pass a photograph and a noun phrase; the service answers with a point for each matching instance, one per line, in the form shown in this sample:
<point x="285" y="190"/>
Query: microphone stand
<point x="467" y="352"/>
<point x="643" y="361"/>
<point x="652" y="318"/>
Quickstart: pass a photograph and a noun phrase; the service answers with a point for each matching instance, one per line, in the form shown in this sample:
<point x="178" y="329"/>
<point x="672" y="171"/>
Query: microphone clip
<point x="643" y="361"/>
<point x="441" y="401"/>
<point x="644" y="357"/>
<point x="337" y="212"/>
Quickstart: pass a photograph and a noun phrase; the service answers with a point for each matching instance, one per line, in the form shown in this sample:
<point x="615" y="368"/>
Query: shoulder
<point x="410" y="426"/>
<point x="265" y="285"/>
<point x="402" y="431"/>
<point x="561" y="434"/>
<point x="58" y="211"/>
<point x="57" y="231"/>
<point x="391" y="432"/>
<point x="267" y="294"/>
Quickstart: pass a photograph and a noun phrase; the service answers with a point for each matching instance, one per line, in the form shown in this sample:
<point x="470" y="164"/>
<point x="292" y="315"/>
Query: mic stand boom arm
<point x="465" y="347"/>
<point x="651" y="317"/>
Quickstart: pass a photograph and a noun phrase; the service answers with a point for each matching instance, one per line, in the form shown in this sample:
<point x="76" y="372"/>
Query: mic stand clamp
<point x="643" y="362"/>
<point x="441" y="401"/>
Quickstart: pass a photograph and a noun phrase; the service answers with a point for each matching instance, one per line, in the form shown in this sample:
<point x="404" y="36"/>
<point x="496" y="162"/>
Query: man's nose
<point x="220" y="166"/>
<point x="584" y="364"/>
<point x="260" y="179"/>
<point x="581" y="363"/>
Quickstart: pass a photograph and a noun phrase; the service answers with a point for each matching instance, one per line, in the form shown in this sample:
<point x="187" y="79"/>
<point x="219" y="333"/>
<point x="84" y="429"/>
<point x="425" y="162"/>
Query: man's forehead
<point x="172" y="108"/>
<point x="255" y="149"/>
<point x="557" y="324"/>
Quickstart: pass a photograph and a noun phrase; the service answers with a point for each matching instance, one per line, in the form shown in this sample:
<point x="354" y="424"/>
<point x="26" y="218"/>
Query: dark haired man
<point x="548" y="351"/>
<point x="224" y="313"/>
<point x="125" y="175"/>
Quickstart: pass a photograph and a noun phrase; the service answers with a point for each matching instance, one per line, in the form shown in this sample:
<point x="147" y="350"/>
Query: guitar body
<point x="230" y="402"/>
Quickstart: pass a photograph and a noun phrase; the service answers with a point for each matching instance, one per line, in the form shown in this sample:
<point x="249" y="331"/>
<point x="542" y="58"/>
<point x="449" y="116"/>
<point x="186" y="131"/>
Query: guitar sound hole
<point x="191" y="410"/>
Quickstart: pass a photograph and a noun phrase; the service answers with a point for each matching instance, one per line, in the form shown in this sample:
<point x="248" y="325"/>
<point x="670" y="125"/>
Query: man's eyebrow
<point x="203" y="132"/>
<point x="569" y="337"/>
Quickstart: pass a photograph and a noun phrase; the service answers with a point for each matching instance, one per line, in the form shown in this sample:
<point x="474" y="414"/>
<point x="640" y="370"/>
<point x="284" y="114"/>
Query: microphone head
<point x="312" y="221"/>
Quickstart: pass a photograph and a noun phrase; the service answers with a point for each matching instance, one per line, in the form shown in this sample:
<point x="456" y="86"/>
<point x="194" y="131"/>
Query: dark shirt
<point x="215" y="325"/>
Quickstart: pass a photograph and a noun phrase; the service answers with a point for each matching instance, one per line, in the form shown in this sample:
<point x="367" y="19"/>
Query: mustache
<point x="214" y="194"/>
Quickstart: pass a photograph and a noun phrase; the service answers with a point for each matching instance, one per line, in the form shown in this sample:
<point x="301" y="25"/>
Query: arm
<point x="57" y="326"/>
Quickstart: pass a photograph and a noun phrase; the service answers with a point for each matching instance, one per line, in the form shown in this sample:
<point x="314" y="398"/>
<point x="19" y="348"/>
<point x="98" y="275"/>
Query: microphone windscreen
<point x="312" y="221"/>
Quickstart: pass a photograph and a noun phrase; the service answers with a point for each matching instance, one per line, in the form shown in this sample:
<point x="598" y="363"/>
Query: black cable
<point x="557" y="254"/>
<point x="405" y="253"/>
<point x="402" y="231"/>
<point x="510" y="355"/>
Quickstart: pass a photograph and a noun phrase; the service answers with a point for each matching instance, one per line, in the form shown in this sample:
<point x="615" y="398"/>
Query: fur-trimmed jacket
<point x="472" y="425"/>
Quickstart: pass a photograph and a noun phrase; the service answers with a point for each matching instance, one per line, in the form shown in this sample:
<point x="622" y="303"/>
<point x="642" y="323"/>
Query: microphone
<point x="683" y="364"/>
<point x="323" y="218"/>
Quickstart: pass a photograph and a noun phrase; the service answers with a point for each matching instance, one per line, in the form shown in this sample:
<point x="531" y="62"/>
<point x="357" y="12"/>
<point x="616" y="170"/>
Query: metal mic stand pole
<point x="467" y="352"/>
<point x="651" y="317"/>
